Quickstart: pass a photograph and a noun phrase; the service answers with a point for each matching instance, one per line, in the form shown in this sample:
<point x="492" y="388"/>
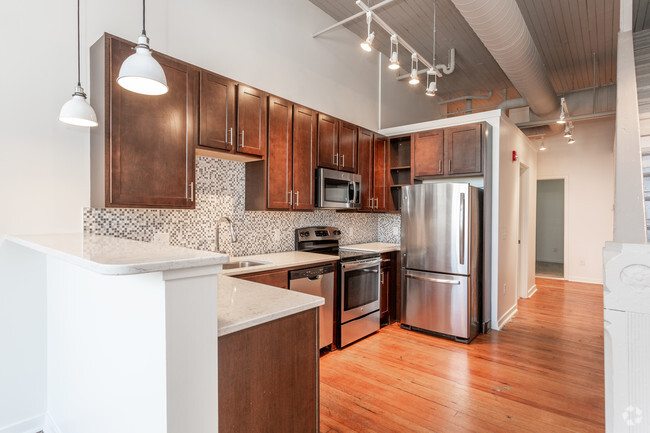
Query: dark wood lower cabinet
<point x="389" y="289"/>
<point x="268" y="376"/>
<point x="276" y="278"/>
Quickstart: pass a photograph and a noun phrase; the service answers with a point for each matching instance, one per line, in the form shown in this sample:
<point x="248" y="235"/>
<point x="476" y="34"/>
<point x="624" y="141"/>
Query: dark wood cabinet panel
<point x="251" y="121"/>
<point x="380" y="175"/>
<point x="427" y="153"/>
<point x="276" y="278"/>
<point x="268" y="376"/>
<point x="328" y="143"/>
<point x="217" y="111"/>
<point x="463" y="149"/>
<point x="304" y="157"/>
<point x="279" y="159"/>
<point x="150" y="158"/>
<point x="347" y="147"/>
<point x="366" y="169"/>
<point x="384" y="295"/>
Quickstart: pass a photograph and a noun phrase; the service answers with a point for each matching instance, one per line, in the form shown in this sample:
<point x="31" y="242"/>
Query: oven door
<point x="359" y="288"/>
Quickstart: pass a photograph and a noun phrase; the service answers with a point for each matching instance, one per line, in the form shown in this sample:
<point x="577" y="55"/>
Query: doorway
<point x="549" y="257"/>
<point x="522" y="239"/>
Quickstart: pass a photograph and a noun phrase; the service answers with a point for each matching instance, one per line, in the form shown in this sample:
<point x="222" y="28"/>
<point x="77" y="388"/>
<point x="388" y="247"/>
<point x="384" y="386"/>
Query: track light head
<point x="414" y="70"/>
<point x="567" y="133"/>
<point x="367" y="44"/>
<point x="394" y="48"/>
<point x="562" y="119"/>
<point x="394" y="62"/>
<point x="431" y="90"/>
<point x="571" y="140"/>
<point x="542" y="146"/>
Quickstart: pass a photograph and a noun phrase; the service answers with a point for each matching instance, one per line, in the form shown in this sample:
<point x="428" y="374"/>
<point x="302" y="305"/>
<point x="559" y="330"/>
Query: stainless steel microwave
<point x="337" y="189"/>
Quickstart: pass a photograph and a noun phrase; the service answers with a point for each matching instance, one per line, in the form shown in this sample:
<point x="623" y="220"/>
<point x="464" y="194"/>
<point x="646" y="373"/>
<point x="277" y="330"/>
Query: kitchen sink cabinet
<point x="217" y="111"/>
<point x="373" y="163"/>
<point x="271" y="371"/>
<point x="448" y="152"/>
<point x="142" y="154"/>
<point x="251" y="120"/>
<point x="278" y="278"/>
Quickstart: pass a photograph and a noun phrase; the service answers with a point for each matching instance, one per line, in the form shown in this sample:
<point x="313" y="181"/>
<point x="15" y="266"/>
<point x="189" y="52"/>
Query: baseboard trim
<point x="30" y="425"/>
<point x="50" y="425"/>
<point x="532" y="290"/>
<point x="506" y="317"/>
<point x="584" y="280"/>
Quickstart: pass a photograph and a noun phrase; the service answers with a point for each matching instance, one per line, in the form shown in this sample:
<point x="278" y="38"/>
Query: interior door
<point x="304" y="157"/>
<point x="436" y="302"/>
<point x="435" y="227"/>
<point x="279" y="159"/>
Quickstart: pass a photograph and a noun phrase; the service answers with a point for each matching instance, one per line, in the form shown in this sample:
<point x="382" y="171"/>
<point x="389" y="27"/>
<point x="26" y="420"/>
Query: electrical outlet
<point x="395" y="231"/>
<point x="276" y="235"/>
<point x="504" y="288"/>
<point x="351" y="231"/>
<point x="161" y="238"/>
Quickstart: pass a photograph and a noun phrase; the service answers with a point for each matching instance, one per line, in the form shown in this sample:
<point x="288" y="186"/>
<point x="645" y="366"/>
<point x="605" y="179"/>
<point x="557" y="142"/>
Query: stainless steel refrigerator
<point x="441" y="246"/>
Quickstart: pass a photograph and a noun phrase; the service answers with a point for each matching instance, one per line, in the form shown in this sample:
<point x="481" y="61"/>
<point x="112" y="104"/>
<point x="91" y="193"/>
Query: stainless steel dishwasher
<point x="318" y="281"/>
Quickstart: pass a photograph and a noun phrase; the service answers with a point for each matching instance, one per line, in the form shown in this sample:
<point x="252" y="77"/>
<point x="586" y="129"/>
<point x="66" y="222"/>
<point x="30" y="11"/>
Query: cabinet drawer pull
<point x="336" y="159"/>
<point x="229" y="143"/>
<point x="370" y="202"/>
<point x="382" y="278"/>
<point x="376" y="203"/>
<point x="449" y="166"/>
<point x="290" y="198"/>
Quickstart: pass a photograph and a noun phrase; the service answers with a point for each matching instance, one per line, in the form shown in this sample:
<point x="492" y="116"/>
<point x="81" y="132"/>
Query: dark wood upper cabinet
<point x="304" y="157"/>
<point x="463" y="149"/>
<point x="217" y="111"/>
<point x="150" y="140"/>
<point x="347" y="147"/>
<point x="427" y="153"/>
<point x="380" y="175"/>
<point x="279" y="159"/>
<point x="365" y="147"/>
<point x="328" y="141"/>
<point x="251" y="121"/>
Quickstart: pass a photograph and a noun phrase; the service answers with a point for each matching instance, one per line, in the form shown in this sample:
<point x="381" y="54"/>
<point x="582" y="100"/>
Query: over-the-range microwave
<point x="337" y="189"/>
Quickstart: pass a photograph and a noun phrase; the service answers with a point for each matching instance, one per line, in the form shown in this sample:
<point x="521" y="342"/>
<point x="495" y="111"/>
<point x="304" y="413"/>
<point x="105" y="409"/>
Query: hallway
<point x="542" y="373"/>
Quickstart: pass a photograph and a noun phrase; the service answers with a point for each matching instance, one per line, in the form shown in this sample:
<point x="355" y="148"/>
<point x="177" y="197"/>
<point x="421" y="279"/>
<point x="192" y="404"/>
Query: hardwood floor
<point x="542" y="373"/>
<point x="548" y="269"/>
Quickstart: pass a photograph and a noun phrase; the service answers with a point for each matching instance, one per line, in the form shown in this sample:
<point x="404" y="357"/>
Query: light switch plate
<point x="395" y="231"/>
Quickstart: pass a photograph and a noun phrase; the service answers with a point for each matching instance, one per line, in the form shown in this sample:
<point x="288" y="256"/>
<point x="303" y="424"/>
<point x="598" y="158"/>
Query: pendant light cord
<point x="78" y="48"/>
<point x="434" y="34"/>
<point x="143" y="30"/>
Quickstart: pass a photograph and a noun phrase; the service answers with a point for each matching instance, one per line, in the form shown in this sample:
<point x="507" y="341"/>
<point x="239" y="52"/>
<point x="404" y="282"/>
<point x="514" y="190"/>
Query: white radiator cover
<point x="627" y="337"/>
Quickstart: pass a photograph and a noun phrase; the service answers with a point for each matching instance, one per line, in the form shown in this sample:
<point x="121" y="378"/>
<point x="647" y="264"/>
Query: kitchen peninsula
<point x="132" y="330"/>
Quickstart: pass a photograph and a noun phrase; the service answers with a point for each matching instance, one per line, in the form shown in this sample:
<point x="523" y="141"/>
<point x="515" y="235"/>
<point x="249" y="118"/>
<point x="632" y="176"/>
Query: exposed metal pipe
<point x="578" y="118"/>
<point x="462" y="98"/>
<point x="502" y="29"/>
<point x="447" y="69"/>
<point x="353" y="17"/>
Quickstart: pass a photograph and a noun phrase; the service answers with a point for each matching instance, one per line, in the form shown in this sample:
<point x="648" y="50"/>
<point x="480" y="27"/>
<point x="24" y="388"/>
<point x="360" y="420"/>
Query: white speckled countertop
<point x="115" y="256"/>
<point x="243" y="304"/>
<point x="279" y="260"/>
<point x="379" y="247"/>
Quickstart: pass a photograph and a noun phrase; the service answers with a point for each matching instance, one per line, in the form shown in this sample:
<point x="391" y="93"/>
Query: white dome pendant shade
<point x="77" y="111"/>
<point x="141" y="73"/>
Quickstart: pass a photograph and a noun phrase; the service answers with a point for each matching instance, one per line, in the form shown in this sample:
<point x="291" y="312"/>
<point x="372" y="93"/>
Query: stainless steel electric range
<point x="357" y="314"/>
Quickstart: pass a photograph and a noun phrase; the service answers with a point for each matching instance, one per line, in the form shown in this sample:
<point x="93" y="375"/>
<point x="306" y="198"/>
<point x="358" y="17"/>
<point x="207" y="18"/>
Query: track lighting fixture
<point x="414" y="70"/>
<point x="77" y="111"/>
<point x="432" y="86"/>
<point x="567" y="132"/>
<point x="542" y="146"/>
<point x="140" y="72"/>
<point x="367" y="44"/>
<point x="394" y="48"/>
<point x="562" y="119"/>
<point x="571" y="140"/>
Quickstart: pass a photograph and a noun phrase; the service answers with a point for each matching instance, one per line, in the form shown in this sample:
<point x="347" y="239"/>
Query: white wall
<point x="588" y="166"/>
<point x="512" y="139"/>
<point x="550" y="221"/>
<point x="44" y="164"/>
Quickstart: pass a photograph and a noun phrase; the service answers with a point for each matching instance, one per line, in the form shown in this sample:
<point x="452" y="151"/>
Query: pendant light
<point x="140" y="72"/>
<point x="367" y="44"/>
<point x="571" y="140"/>
<point x="77" y="111"/>
<point x="567" y="132"/>
<point x="394" y="48"/>
<point x="562" y="119"/>
<point x="414" y="70"/>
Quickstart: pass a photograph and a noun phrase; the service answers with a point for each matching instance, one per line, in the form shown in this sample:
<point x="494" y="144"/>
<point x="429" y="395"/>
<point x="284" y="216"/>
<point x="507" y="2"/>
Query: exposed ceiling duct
<point x="502" y="29"/>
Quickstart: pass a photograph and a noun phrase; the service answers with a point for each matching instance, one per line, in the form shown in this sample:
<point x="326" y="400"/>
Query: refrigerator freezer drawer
<point x="437" y="302"/>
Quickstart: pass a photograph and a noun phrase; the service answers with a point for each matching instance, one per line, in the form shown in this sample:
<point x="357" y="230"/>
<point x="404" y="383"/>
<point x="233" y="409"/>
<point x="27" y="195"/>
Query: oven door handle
<point x="361" y="264"/>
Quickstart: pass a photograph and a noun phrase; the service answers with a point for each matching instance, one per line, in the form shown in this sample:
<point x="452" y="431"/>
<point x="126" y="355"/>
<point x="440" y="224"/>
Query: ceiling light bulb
<point x="571" y="140"/>
<point x="394" y="63"/>
<point x="394" y="48"/>
<point x="367" y="44"/>
<point x="431" y="90"/>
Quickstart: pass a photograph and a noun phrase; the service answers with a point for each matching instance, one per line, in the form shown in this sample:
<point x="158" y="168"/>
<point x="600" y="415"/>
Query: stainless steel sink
<point x="242" y="264"/>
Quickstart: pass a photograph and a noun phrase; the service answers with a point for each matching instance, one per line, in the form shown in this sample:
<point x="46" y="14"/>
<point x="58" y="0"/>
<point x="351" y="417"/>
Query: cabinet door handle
<point x="229" y="143"/>
<point x="297" y="198"/>
<point x="382" y="278"/>
<point x="440" y="166"/>
<point x="376" y="203"/>
<point x="342" y="160"/>
<point x="449" y="166"/>
<point x="191" y="191"/>
<point x="370" y="202"/>
<point x="290" y="198"/>
<point x="242" y="138"/>
<point x="336" y="159"/>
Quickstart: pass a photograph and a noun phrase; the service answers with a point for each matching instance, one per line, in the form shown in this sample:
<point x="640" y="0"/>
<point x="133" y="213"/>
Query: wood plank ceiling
<point x="569" y="34"/>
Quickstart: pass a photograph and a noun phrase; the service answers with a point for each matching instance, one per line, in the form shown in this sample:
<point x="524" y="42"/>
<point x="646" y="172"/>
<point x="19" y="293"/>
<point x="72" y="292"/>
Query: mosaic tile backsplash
<point x="221" y="192"/>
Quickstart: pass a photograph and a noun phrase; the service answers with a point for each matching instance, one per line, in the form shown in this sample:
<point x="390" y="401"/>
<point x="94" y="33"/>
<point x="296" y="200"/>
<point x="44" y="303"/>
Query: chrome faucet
<point x="232" y="232"/>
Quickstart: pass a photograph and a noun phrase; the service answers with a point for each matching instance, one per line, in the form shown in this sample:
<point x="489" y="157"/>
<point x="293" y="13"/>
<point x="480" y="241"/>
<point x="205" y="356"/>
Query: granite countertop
<point x="115" y="256"/>
<point x="379" y="247"/>
<point x="243" y="304"/>
<point x="279" y="260"/>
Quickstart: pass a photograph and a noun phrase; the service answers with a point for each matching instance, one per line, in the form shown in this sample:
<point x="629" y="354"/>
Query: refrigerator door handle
<point x="432" y="280"/>
<point x="461" y="244"/>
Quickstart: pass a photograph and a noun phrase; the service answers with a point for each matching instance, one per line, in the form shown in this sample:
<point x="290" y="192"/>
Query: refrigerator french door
<point x="441" y="258"/>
